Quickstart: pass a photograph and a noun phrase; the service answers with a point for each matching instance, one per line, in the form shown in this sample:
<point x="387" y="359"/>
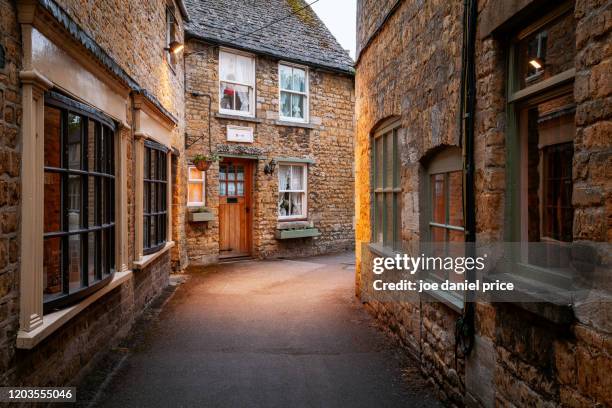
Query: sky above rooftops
<point x="340" y="18"/>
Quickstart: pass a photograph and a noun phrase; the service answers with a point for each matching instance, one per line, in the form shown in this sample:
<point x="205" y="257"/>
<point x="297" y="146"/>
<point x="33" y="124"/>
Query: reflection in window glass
<point x="446" y="204"/>
<point x="53" y="150"/>
<point x="52" y="266"/>
<point x="53" y="202"/>
<point x="549" y="151"/>
<point x="74" y="262"/>
<point x="547" y="52"/>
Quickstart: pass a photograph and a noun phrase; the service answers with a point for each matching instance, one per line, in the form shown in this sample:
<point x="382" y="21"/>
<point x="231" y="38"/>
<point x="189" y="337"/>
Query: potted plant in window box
<point x="201" y="214"/>
<point x="203" y="162"/>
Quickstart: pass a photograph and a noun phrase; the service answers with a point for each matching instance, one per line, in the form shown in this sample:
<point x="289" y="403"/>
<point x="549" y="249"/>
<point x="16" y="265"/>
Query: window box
<point x="201" y="216"/>
<point x="297" y="233"/>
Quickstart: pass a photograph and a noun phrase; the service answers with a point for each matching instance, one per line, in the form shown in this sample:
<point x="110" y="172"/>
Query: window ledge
<point x="53" y="321"/>
<point x="297" y="233"/>
<point x="381" y="250"/>
<point x="447" y="298"/>
<point x="289" y="224"/>
<point x="296" y="124"/>
<point x="251" y="119"/>
<point x="147" y="259"/>
<point x="550" y="302"/>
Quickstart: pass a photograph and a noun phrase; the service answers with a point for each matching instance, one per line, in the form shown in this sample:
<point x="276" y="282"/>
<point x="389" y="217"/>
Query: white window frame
<point x="251" y="112"/>
<point x="191" y="181"/>
<point x="306" y="94"/>
<point x="304" y="191"/>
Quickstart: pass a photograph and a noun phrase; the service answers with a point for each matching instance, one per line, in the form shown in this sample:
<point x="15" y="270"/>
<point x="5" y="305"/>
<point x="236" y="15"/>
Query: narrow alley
<point x="270" y="333"/>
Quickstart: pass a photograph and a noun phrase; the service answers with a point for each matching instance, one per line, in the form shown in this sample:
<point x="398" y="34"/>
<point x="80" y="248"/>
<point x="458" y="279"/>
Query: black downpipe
<point x="464" y="335"/>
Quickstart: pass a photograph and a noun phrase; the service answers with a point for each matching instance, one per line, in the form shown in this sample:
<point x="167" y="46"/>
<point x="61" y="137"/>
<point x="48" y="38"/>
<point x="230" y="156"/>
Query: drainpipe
<point x="464" y="334"/>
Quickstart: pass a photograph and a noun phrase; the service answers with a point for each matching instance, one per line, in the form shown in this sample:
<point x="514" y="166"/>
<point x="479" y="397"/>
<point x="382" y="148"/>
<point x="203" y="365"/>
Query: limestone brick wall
<point x="410" y="70"/>
<point x="10" y="130"/>
<point x="328" y="140"/>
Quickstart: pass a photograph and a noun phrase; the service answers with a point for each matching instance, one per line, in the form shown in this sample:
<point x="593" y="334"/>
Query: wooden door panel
<point x="234" y="202"/>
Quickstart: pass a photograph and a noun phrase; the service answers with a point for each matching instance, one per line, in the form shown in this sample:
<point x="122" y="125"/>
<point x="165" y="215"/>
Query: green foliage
<point x="213" y="157"/>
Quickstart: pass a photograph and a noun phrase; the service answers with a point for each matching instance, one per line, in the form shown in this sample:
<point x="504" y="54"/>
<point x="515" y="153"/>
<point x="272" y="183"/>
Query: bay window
<point x="293" y="84"/>
<point x="292" y="182"/>
<point x="196" y="188"/>
<point x="155" y="197"/>
<point x="79" y="201"/>
<point x="236" y="84"/>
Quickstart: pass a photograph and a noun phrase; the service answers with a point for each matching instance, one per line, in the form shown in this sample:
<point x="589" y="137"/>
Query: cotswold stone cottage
<point x="98" y="190"/>
<point x="486" y="124"/>
<point x="91" y="135"/>
<point x="276" y="105"/>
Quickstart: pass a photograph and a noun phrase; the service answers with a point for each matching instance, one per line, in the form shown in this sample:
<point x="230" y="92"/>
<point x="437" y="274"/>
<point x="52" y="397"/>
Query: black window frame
<point x="103" y="226"/>
<point x="155" y="178"/>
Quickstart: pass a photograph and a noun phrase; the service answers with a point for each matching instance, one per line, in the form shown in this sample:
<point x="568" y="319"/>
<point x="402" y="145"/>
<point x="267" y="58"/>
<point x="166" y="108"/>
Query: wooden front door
<point x="235" y="178"/>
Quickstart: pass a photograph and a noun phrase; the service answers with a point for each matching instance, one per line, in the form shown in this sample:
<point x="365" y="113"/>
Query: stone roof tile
<point x="283" y="30"/>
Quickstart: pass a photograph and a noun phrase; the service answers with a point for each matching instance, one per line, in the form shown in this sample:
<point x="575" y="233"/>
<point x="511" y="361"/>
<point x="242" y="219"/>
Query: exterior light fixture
<point x="2" y="58"/>
<point x="269" y="168"/>
<point x="536" y="63"/>
<point x="175" y="47"/>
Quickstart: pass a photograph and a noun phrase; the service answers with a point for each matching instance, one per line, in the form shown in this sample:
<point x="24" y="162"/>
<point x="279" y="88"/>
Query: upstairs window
<point x="236" y="84"/>
<point x="292" y="182"/>
<point x="293" y="93"/>
<point x="545" y="49"/>
<point x="171" y="36"/>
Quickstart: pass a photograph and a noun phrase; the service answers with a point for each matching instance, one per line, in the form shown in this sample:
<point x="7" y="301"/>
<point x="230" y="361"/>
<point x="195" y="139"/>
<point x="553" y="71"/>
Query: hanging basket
<point x="203" y="165"/>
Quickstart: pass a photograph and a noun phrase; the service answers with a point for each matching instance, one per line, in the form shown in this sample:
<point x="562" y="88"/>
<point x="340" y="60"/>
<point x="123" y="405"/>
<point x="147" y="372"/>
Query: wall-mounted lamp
<point x="269" y="168"/>
<point x="175" y="47"/>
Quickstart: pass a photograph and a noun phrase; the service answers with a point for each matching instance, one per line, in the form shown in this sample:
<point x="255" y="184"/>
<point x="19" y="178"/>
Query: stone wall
<point x="10" y="124"/>
<point x="410" y="70"/>
<point x="328" y="139"/>
<point x="135" y="37"/>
